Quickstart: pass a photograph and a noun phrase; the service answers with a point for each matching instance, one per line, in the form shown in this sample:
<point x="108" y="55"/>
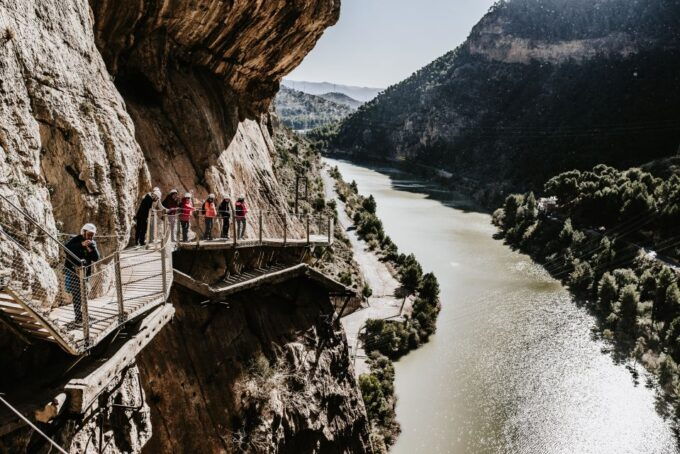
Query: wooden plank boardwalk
<point x="259" y="277"/>
<point x="142" y="289"/>
<point x="221" y="243"/>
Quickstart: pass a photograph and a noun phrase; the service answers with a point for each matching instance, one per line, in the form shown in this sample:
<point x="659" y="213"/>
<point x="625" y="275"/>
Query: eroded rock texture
<point x="198" y="78"/>
<point x="264" y="374"/>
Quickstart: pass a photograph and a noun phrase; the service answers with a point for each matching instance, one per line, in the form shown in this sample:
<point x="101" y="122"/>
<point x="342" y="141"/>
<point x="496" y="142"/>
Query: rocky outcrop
<point x="99" y="102"/>
<point x="265" y="373"/>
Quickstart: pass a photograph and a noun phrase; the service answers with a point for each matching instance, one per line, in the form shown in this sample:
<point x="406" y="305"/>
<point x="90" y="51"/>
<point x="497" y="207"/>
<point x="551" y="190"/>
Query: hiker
<point x="186" y="209"/>
<point x="84" y="248"/>
<point x="240" y="211"/>
<point x="210" y="213"/>
<point x="225" y="213"/>
<point x="171" y="204"/>
<point x="150" y="201"/>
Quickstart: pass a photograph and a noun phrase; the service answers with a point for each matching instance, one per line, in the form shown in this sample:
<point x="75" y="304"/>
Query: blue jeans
<point x="240" y="228"/>
<point x="72" y="284"/>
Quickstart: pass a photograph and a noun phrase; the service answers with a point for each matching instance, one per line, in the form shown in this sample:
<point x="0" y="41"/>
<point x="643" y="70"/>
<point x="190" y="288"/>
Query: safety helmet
<point x="173" y="191"/>
<point x="211" y="196"/>
<point x="242" y="196"/>
<point x="88" y="228"/>
<point x="187" y="195"/>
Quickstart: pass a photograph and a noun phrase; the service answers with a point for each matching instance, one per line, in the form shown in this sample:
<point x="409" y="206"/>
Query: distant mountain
<point x="539" y="87"/>
<point x="341" y="98"/>
<point x="363" y="94"/>
<point x="302" y="111"/>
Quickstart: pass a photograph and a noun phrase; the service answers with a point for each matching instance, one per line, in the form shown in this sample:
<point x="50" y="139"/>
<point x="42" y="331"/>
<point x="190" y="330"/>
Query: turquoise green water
<point x="513" y="367"/>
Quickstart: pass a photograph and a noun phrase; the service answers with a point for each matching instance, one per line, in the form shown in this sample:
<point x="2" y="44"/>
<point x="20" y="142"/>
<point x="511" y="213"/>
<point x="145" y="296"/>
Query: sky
<point x="377" y="43"/>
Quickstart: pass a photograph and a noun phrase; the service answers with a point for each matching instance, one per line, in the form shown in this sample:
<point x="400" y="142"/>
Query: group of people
<point x="83" y="251"/>
<point x="182" y="209"/>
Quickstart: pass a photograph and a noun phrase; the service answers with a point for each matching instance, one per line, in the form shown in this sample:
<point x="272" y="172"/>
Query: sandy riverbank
<point x="382" y="304"/>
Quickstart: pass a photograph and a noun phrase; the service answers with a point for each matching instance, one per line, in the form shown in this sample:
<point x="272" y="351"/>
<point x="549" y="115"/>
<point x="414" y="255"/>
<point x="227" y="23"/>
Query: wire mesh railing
<point x="259" y="227"/>
<point x="77" y="304"/>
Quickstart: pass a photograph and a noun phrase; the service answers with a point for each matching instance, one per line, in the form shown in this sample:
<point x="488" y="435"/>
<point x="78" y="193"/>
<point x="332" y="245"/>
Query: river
<point x="514" y="366"/>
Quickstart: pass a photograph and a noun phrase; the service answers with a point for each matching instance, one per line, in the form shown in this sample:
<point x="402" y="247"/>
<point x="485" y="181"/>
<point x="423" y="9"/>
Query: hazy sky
<point x="379" y="42"/>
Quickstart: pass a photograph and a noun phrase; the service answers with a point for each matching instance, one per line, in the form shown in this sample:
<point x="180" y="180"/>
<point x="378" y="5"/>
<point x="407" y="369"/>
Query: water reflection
<point x="514" y="367"/>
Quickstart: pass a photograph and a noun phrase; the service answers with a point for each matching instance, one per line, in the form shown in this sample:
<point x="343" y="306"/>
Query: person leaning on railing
<point x="210" y="212"/>
<point x="171" y="204"/>
<point x="186" y="209"/>
<point x="225" y="212"/>
<point x="240" y="211"/>
<point x="83" y="247"/>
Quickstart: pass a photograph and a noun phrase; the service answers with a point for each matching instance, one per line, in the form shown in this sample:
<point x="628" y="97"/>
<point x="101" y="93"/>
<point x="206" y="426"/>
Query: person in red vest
<point x="186" y="209"/>
<point x="240" y="212"/>
<point x="210" y="212"/>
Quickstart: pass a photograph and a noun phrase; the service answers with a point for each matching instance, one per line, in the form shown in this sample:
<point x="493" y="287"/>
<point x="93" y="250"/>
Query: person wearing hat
<point x="84" y="253"/>
<point x="210" y="213"/>
<point x="186" y="209"/>
<point x="150" y="201"/>
<point x="171" y="204"/>
<point x="240" y="212"/>
<point x="225" y="213"/>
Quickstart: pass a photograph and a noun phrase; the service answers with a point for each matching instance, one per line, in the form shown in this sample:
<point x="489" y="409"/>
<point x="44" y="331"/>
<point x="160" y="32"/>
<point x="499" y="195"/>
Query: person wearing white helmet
<point x="240" y="212"/>
<point x="186" y="209"/>
<point x="171" y="204"/>
<point x="210" y="213"/>
<point x="151" y="200"/>
<point x="84" y="252"/>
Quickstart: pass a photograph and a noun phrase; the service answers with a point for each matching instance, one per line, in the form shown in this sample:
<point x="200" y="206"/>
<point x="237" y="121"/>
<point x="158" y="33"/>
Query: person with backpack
<point x="210" y="213"/>
<point x="171" y="204"/>
<point x="84" y="252"/>
<point x="186" y="209"/>
<point x="225" y="213"/>
<point x="240" y="212"/>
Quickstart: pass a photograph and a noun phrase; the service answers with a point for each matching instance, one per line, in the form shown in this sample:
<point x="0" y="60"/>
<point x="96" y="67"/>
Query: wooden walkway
<point x="259" y="277"/>
<point x="143" y="288"/>
<point x="219" y="243"/>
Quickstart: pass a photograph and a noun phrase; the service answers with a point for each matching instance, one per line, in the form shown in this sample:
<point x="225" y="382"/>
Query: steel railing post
<point x="119" y="287"/>
<point x="233" y="222"/>
<point x="164" y="270"/>
<point x="285" y="228"/>
<point x="307" y="228"/>
<point x="82" y="276"/>
<point x="260" y="227"/>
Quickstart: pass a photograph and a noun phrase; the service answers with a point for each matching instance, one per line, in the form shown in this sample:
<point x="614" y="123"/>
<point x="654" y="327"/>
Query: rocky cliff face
<point x="539" y="87"/>
<point x="99" y="102"/>
<point x="263" y="374"/>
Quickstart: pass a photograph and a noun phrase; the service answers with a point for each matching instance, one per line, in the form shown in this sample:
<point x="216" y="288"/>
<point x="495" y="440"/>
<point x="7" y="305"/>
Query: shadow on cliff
<point x="263" y="367"/>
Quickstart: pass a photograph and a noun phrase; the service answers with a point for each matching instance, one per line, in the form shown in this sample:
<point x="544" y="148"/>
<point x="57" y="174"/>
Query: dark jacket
<point x="224" y="209"/>
<point x="171" y="204"/>
<point x="144" y="209"/>
<point x="76" y="247"/>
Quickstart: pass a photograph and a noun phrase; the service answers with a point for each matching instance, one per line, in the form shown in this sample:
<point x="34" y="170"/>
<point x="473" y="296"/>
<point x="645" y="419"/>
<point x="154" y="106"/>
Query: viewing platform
<point x="35" y="303"/>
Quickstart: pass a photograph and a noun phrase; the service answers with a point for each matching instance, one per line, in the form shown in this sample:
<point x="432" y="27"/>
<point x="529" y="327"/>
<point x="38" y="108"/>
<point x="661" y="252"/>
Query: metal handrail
<point x="37" y="224"/>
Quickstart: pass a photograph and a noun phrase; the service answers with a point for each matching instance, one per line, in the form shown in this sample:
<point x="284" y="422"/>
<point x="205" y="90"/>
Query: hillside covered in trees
<point x="612" y="236"/>
<point x="302" y="111"/>
<point x="539" y="87"/>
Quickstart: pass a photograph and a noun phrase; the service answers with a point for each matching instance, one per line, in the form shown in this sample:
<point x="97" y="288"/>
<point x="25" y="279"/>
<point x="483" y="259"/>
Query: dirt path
<point x="382" y="304"/>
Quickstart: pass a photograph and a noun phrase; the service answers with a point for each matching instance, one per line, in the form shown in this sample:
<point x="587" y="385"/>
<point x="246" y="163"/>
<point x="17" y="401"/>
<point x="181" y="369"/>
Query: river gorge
<point x="515" y="366"/>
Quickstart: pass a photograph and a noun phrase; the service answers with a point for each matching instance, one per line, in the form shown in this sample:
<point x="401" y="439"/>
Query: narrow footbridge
<point x="257" y="229"/>
<point x="34" y="301"/>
